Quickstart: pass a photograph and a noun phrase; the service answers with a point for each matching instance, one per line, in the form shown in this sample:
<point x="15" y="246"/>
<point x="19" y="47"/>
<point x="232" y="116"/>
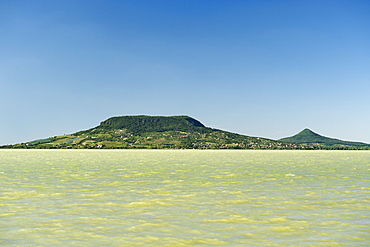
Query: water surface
<point x="184" y="198"/>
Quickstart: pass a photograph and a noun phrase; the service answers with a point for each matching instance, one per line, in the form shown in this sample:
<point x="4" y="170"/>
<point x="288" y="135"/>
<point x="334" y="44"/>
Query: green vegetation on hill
<point x="180" y="132"/>
<point x="143" y="124"/>
<point x="309" y="137"/>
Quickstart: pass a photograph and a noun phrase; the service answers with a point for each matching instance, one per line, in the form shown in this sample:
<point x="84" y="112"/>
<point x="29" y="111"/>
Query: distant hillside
<point x="142" y="124"/>
<point x="307" y="136"/>
<point x="177" y="132"/>
<point x="156" y="132"/>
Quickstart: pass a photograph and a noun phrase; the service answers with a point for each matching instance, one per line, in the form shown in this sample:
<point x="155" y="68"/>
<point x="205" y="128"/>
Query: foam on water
<point x="184" y="198"/>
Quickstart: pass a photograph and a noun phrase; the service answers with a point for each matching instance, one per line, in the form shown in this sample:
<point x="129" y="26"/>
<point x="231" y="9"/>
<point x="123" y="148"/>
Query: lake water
<point x="184" y="198"/>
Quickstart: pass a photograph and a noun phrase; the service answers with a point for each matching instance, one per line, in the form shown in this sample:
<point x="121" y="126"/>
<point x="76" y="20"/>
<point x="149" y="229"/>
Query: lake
<point x="184" y="198"/>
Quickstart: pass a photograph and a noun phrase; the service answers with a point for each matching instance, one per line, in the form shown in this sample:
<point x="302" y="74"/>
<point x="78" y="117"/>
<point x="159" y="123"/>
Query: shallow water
<point x="184" y="198"/>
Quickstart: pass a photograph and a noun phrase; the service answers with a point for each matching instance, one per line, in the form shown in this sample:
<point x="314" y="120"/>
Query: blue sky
<point x="259" y="68"/>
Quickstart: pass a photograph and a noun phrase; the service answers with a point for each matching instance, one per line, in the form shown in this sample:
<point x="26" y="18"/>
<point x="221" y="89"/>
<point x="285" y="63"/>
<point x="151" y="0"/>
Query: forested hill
<point x="307" y="136"/>
<point x="178" y="132"/>
<point x="142" y="124"/>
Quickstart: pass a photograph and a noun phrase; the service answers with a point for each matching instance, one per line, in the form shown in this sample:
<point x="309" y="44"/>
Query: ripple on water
<point x="184" y="198"/>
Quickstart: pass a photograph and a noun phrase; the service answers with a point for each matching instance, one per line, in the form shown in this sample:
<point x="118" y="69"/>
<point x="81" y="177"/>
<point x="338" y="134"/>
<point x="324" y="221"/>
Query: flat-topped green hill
<point x="142" y="124"/>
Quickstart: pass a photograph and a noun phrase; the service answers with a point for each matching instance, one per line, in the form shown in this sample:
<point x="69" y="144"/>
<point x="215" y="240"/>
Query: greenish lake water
<point x="184" y="198"/>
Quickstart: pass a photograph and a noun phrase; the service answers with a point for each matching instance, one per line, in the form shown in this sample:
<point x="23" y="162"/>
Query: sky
<point x="259" y="68"/>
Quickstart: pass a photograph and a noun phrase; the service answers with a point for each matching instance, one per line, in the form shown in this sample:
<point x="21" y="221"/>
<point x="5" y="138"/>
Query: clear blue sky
<point x="260" y="68"/>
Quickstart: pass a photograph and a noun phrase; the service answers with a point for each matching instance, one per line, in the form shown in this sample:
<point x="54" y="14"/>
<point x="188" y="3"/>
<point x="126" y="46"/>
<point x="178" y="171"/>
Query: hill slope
<point x="155" y="132"/>
<point x="307" y="136"/>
